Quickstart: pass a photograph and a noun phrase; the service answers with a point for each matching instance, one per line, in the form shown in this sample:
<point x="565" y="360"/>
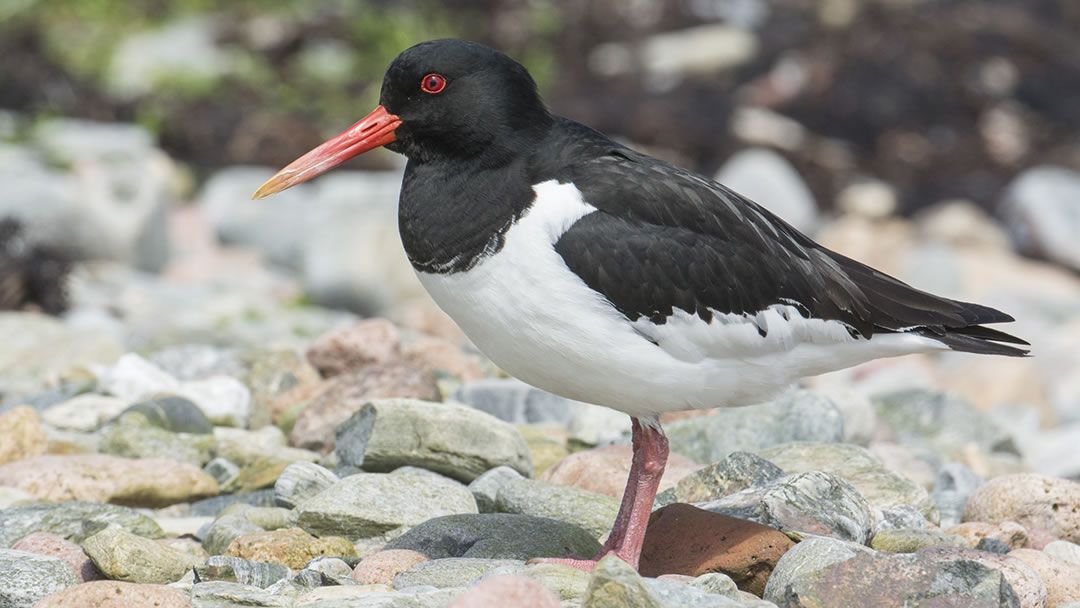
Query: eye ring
<point x="433" y="83"/>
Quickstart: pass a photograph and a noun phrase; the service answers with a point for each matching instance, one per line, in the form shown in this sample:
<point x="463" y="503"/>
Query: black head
<point x="457" y="98"/>
<point x="441" y="100"/>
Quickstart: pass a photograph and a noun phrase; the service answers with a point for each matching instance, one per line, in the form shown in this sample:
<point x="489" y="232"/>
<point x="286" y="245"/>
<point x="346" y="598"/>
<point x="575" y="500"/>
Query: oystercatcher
<point x="605" y="275"/>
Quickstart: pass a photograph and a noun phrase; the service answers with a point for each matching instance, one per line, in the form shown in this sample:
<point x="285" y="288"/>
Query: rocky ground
<point x="196" y="430"/>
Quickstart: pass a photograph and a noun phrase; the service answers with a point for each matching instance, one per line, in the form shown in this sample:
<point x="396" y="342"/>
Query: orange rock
<point x="507" y="590"/>
<point x="290" y="547"/>
<point x="604" y="470"/>
<point x="382" y="567"/>
<point x="682" y="539"/>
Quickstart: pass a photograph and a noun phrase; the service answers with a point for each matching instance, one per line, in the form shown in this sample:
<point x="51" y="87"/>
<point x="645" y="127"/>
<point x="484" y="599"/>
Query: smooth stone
<point x="216" y="504"/>
<point x="28" y="577"/>
<point x="300" y="481"/>
<point x="943" y="423"/>
<point x="72" y="521"/>
<point x="1009" y="532"/>
<point x="197" y="361"/>
<point x="133" y="378"/>
<point x="21" y="435"/>
<point x="497" y="536"/>
<point x="1038" y="209"/>
<point x="174" y="413"/>
<point x="452" y="571"/>
<point x="382" y="567"/>
<point x="567" y="582"/>
<point x="268" y="518"/>
<point x="290" y="547"/>
<point x="86" y="413"/>
<point x="226" y="401"/>
<point x="735" y="472"/>
<point x="367" y="505"/>
<point x="43" y="543"/>
<point x="1023" y="579"/>
<point x="604" y="470"/>
<point x="224" y="594"/>
<point x="878" y="485"/>
<point x="902" y="516"/>
<point x="954" y="485"/>
<point x="14" y="497"/>
<point x="1064" y="550"/>
<point x="807" y="557"/>
<point x="115" y="594"/>
<point x="238" y="570"/>
<point x="682" y="539"/>
<point x="366" y="342"/>
<point x="143" y="441"/>
<point x="992" y="545"/>
<point x="767" y="178"/>
<point x="910" y="540"/>
<point x="614" y="584"/>
<point x="1031" y="500"/>
<point x="222" y="470"/>
<point x="514" y="401"/>
<point x="219" y="535"/>
<point x="451" y="439"/>
<point x="672" y="594"/>
<point x="507" y="590"/>
<point x="503" y="490"/>
<point x="592" y="425"/>
<point x="347" y="393"/>
<point x="797" y="415"/>
<point x="809" y="503"/>
<point x="334" y="568"/>
<point x="1062" y="578"/>
<point x="150" y="482"/>
<point x="121" y="555"/>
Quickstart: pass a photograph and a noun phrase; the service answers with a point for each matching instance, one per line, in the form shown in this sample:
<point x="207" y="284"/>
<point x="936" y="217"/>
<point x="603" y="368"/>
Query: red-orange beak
<point x="374" y="130"/>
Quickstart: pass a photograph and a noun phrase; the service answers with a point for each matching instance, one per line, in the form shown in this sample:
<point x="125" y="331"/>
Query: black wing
<point x="666" y="238"/>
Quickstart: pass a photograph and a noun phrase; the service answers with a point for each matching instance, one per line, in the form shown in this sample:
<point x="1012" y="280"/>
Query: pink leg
<point x="625" y="540"/>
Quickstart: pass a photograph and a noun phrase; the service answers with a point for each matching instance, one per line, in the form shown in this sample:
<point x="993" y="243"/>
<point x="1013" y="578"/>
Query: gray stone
<point x="910" y="540"/>
<point x="514" y="401"/>
<point x="447" y="438"/>
<point x="671" y="594"/>
<point x="496" y="535"/>
<point x="880" y="486"/>
<point x="223" y="594"/>
<point x="615" y="584"/>
<point x="123" y="556"/>
<point x="145" y="441"/>
<point x="902" y="516"/>
<point x="217" y="537"/>
<point x="174" y="413"/>
<point x="716" y="583"/>
<point x="222" y="470"/>
<point x="592" y="425"/>
<point x="72" y="520"/>
<point x="300" y="481"/>
<point x="993" y="545"/>
<point x="214" y="505"/>
<point x="955" y="483"/>
<point x="360" y="597"/>
<point x="735" y="472"/>
<point x="197" y="361"/>
<point x="508" y="492"/>
<point x="238" y="570"/>
<point x="267" y="518"/>
<point x="809" y="503"/>
<point x="1021" y="577"/>
<point x="943" y="423"/>
<point x="28" y="577"/>
<point x="797" y="415"/>
<point x="368" y="505"/>
<point x="567" y="582"/>
<point x="769" y="180"/>
<point x="453" y="571"/>
<point x="182" y="49"/>
<point x="805" y="558"/>
<point x="1040" y="213"/>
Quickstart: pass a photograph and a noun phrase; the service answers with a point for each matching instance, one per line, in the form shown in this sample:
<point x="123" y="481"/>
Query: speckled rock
<point x="145" y="441"/>
<point x="452" y="439"/>
<point x="28" y="577"/>
<point x="1062" y="578"/>
<point x="1009" y="532"/>
<point x="1023" y="579"/>
<point x="682" y="539"/>
<point x="149" y="482"/>
<point x="72" y="520"/>
<point x="942" y="422"/>
<point x="367" y="342"/>
<point x="1031" y="500"/>
<point x="21" y="435"/>
<point x="223" y="594"/>
<point x="880" y="486"/>
<point x="604" y="470"/>
<point x="300" y="481"/>
<point x="52" y="545"/>
<point x="217" y="537"/>
<point x="810" y="555"/>
<point x="901" y="516"/>
<point x="910" y="540"/>
<point x="496" y="535"/>
<point x="453" y="571"/>
<point x="115" y="594"/>
<point x="290" y="547"/>
<point x="507" y="590"/>
<point x="382" y="567"/>
<point x="372" y="504"/>
<point x="121" y="555"/>
<point x="735" y="472"/>
<point x="614" y="584"/>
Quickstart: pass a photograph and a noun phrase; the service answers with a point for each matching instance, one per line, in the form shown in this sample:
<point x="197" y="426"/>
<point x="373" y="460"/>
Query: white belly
<point x="524" y="309"/>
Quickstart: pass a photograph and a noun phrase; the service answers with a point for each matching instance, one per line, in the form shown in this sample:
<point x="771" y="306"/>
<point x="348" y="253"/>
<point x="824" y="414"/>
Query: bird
<point x="604" y="275"/>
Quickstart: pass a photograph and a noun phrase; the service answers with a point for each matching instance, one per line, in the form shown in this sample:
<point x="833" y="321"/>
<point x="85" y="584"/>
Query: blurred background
<point x="938" y="140"/>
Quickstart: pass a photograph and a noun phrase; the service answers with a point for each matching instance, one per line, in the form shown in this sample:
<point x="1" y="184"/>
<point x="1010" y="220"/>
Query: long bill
<point x="374" y="130"/>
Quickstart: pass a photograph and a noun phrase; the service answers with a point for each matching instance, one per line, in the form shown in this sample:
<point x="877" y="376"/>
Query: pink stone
<point x="444" y="355"/>
<point x="115" y="594"/>
<point x="52" y="545"/>
<point x="367" y="342"/>
<point x="383" y="566"/>
<point x="507" y="590"/>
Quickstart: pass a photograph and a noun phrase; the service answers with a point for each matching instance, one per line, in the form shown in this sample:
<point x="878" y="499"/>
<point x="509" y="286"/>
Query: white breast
<point x="537" y="320"/>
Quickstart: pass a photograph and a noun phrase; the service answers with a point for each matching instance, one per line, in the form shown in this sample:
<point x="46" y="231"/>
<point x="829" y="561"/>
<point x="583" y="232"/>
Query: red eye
<point x="433" y="83"/>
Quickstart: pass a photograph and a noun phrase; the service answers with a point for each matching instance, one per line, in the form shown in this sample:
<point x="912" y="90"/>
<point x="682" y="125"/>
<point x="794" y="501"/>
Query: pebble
<point x="808" y="556"/>
<point x="1024" y="580"/>
<point x="197" y="361"/>
<point x="72" y="521"/>
<point x="124" y="556"/>
<point x="514" y="401"/>
<point x="217" y="536"/>
<point x="954" y="485"/>
<point x="1009" y="532"/>
<point x="133" y="378"/>
<point x="368" y="505"/>
<point x="910" y="540"/>
<point x="150" y="482"/>
<point x="346" y="393"/>
<point x="290" y="547"/>
<point x="735" y="472"/>
<point x="274" y="377"/>
<point x="679" y="594"/>
<point x="604" y="470"/>
<point x="174" y="413"/>
<point x="565" y="581"/>
<point x="300" y="481"/>
<point x="367" y="342"/>
<point x="877" y="484"/>
<point x="86" y="413"/>
<point x="43" y="543"/>
<point x="1062" y="578"/>
<point x="1031" y="500"/>
<point x="901" y="516"/>
<point x="28" y="577"/>
<point x="223" y="594"/>
<point x="504" y="490"/>
<point x="444" y="357"/>
<point x="382" y="567"/>
<point x="810" y="503"/>
<point x="144" y="441"/>
<point x="115" y="594"/>
<point x="682" y="539"/>
<point x="447" y="438"/>
<point x="1064" y="550"/>
<point x="224" y="400"/>
<point x="797" y="415"/>
<point x="507" y="590"/>
<point x="496" y="536"/>
<point x="941" y="422"/>
<point x="615" y="584"/>
<point x="21" y="435"/>
<point x="214" y="505"/>
<point x="238" y="570"/>
<point x="992" y="545"/>
<point x="453" y="571"/>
